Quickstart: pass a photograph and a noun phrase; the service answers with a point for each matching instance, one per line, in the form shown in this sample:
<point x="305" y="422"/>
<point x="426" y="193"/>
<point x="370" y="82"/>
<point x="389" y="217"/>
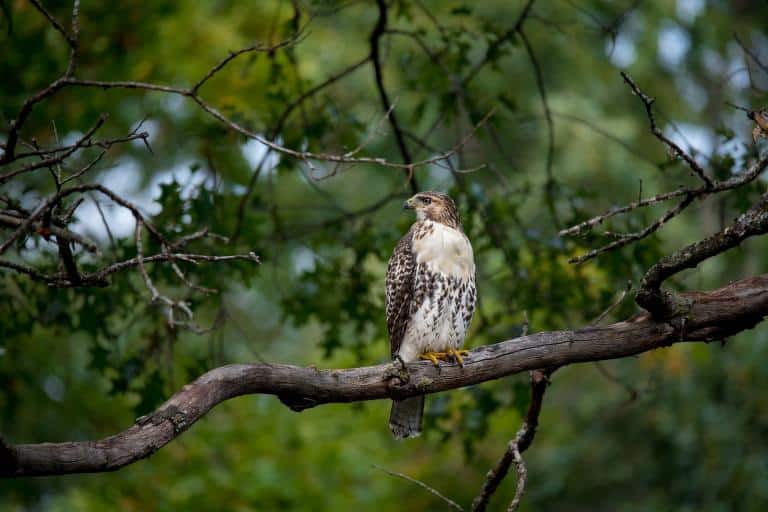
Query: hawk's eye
<point x="426" y="200"/>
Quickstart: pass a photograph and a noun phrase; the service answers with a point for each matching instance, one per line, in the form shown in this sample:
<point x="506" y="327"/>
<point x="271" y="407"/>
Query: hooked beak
<point x="408" y="205"/>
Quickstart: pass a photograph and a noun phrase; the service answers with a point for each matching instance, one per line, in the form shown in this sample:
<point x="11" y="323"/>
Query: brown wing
<point x="400" y="272"/>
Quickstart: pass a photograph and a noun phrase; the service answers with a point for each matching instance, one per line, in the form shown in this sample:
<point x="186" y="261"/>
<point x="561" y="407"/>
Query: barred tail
<point x="405" y="417"/>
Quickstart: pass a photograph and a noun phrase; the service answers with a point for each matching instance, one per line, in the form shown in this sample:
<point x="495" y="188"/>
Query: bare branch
<point x="751" y="54"/>
<point x="58" y="158"/>
<point x="140" y="261"/>
<point x="378" y="31"/>
<point x="522" y="441"/>
<point x="664" y="303"/>
<point x="82" y="144"/>
<point x="674" y="148"/>
<point x="734" y="182"/>
<point x="68" y="260"/>
<point x="304" y="156"/>
<point x="522" y="474"/>
<point x="256" y="47"/>
<point x="633" y="237"/>
<point x="712" y="316"/>
<point x="58" y="232"/>
<point x="75" y="39"/>
<point x="83" y="170"/>
<point x="550" y="183"/>
<point x="24" y="269"/>
<point x="316" y="89"/>
<point x="502" y="39"/>
<point x="53" y="87"/>
<point x="615" y="304"/>
<point x="99" y="277"/>
<point x="689" y="194"/>
<point x="71" y="40"/>
<point x="170" y="250"/>
<point x="594" y="221"/>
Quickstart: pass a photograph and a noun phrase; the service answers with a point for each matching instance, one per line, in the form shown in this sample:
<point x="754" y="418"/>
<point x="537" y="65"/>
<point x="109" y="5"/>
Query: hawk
<point x="430" y="296"/>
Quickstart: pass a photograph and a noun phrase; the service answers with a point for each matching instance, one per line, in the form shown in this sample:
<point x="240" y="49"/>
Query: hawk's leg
<point x="457" y="355"/>
<point x="434" y="356"/>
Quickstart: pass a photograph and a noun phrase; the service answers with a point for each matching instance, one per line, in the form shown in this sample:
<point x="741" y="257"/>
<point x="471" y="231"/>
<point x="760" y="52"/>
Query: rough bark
<point x="711" y="316"/>
<point x="664" y="303"/>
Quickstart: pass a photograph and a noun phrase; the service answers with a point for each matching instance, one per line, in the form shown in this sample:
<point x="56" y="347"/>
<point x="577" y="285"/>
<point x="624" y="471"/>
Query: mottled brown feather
<point x="399" y="284"/>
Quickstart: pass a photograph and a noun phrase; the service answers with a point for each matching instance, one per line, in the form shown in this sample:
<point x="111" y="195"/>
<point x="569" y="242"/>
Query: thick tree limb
<point x="665" y="303"/>
<point x="712" y="315"/>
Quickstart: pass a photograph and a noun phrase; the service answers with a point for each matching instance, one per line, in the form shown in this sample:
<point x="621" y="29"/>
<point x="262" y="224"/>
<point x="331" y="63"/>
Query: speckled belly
<point x="444" y="305"/>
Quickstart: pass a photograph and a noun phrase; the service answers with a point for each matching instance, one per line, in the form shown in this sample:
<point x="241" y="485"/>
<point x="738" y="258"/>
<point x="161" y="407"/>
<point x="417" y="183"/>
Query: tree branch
<point x="522" y="441"/>
<point x="549" y="186"/>
<point x="47" y="162"/>
<point x="59" y="232"/>
<point x="424" y="486"/>
<point x="674" y="149"/>
<point x="378" y="31"/>
<point x="665" y="303"/>
<point x="494" y="47"/>
<point x="712" y="316"/>
<point x="688" y="194"/>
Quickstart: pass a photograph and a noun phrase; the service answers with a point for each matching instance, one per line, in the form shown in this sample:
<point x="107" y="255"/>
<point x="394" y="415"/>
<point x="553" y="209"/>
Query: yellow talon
<point x="434" y="356"/>
<point x="457" y="355"/>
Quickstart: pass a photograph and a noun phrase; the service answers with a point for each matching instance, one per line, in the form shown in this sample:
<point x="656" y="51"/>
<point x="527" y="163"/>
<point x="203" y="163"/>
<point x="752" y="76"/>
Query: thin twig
<point x="54" y="22"/>
<point x="256" y="47"/>
<point x="59" y="157"/>
<point x="689" y="194"/>
<point x="421" y="484"/>
<point x="605" y="133"/>
<point x="493" y="48"/>
<point x="674" y="148"/>
<point x="550" y="183"/>
<point x="614" y="305"/>
<point x="752" y="55"/>
<point x="632" y="392"/>
<point x="315" y="90"/>
<point x="378" y="31"/>
<point x="633" y="237"/>
<point x="594" y="221"/>
<point x="100" y="143"/>
<point x="58" y="232"/>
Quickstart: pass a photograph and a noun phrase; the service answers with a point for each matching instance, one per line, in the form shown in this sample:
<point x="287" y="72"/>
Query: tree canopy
<point x="188" y="185"/>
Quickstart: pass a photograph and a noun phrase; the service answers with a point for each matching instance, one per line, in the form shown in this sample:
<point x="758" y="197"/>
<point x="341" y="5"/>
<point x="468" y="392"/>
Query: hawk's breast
<point x="445" y="250"/>
<point x="443" y="291"/>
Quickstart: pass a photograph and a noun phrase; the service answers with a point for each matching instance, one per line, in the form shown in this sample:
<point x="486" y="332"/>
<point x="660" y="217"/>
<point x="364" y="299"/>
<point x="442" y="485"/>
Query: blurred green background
<point x="683" y="428"/>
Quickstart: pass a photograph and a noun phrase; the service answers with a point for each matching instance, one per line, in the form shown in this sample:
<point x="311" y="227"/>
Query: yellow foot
<point x="434" y="356"/>
<point x="457" y="355"/>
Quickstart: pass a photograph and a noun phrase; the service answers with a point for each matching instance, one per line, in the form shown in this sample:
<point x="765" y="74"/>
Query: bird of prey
<point x="430" y="296"/>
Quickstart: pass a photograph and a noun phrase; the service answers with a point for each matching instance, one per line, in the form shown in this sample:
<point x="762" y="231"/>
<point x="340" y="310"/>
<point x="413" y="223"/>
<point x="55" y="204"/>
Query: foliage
<point x="82" y="363"/>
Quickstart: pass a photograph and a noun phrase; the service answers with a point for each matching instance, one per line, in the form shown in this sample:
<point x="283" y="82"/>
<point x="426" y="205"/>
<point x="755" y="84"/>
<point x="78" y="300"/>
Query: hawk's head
<point x="436" y="207"/>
